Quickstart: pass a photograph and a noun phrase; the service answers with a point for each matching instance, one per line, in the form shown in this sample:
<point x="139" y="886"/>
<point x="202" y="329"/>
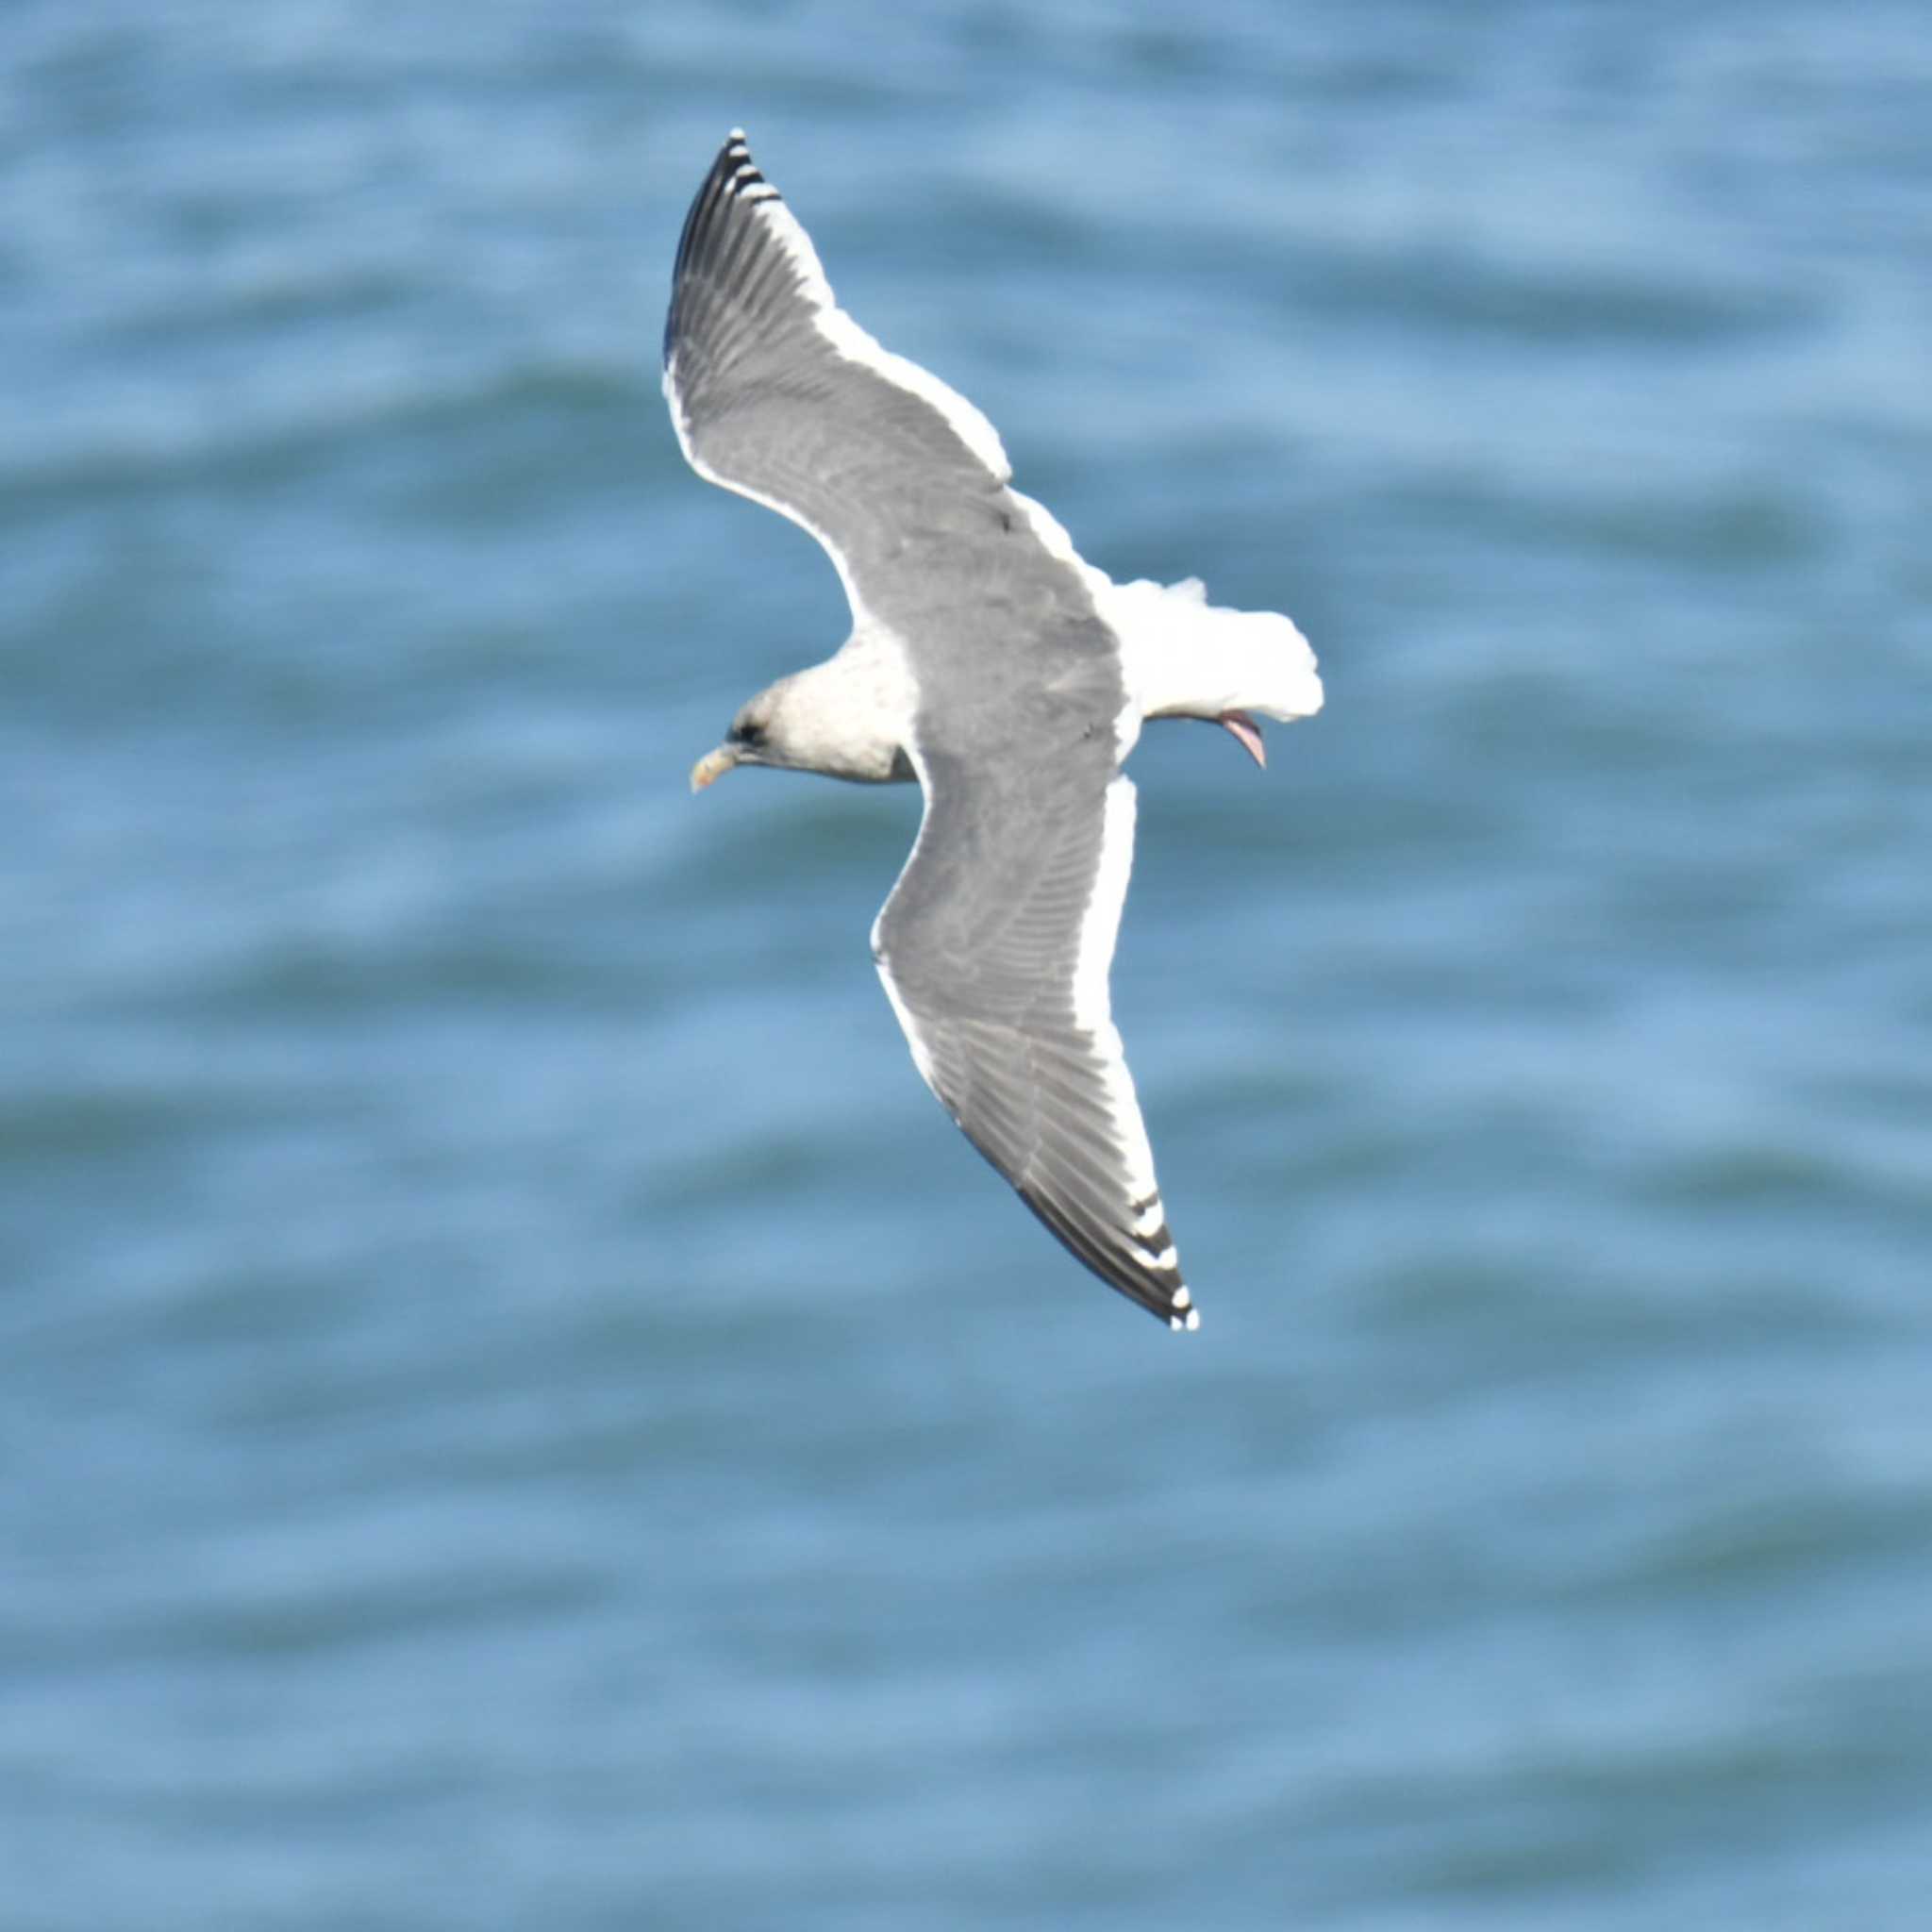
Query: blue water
<point x="517" y="1407"/>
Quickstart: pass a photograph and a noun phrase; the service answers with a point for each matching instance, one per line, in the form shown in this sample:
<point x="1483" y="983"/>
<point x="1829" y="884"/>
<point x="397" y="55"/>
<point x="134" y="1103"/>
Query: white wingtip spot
<point x="1189" y="1322"/>
<point x="1182" y="1299"/>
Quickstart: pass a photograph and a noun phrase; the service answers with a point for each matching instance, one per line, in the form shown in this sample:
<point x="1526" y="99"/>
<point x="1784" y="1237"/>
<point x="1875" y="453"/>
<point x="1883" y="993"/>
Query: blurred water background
<point x="518" y="1409"/>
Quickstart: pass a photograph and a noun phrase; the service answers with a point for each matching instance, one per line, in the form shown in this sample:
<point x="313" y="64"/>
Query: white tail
<point x="1186" y="658"/>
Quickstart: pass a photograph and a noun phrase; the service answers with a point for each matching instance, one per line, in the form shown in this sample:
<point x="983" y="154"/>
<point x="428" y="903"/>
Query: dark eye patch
<point x="749" y="734"/>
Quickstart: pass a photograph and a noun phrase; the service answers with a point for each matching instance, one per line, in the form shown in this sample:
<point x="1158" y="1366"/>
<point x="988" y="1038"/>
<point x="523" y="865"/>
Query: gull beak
<point x="1247" y="731"/>
<point x="714" y="764"/>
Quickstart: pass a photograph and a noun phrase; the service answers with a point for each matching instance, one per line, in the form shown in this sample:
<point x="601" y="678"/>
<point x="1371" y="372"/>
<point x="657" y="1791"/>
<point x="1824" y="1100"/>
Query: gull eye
<point x="750" y="736"/>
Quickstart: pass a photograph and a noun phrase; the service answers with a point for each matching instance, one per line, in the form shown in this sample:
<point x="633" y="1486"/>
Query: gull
<point x="993" y="666"/>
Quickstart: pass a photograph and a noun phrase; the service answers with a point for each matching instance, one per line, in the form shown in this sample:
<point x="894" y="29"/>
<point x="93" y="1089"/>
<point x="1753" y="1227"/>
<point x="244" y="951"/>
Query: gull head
<point x="829" y="719"/>
<point x="749" y="743"/>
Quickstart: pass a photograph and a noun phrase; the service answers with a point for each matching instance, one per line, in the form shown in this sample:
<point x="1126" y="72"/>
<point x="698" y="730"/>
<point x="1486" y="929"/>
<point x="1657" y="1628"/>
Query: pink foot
<point x="1248" y="733"/>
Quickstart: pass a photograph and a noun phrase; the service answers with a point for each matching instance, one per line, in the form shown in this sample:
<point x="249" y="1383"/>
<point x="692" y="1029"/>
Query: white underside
<point x="1185" y="657"/>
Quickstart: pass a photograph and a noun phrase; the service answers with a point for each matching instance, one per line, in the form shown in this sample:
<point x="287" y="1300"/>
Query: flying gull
<point x="988" y="662"/>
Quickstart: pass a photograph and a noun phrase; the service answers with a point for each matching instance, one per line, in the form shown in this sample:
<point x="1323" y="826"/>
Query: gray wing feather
<point x="981" y="947"/>
<point x="777" y="394"/>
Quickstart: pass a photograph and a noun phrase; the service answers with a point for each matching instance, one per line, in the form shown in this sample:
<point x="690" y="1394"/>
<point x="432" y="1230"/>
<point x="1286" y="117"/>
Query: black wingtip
<point x="734" y="169"/>
<point x="733" y="176"/>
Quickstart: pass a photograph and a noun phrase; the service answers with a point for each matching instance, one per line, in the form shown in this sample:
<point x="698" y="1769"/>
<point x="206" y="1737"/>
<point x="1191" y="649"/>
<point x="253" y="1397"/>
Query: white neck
<point x="852" y="716"/>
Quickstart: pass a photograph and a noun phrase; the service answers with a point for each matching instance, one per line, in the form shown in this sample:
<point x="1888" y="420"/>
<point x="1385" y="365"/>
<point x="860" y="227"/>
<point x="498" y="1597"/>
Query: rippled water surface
<point x="518" y="1409"/>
